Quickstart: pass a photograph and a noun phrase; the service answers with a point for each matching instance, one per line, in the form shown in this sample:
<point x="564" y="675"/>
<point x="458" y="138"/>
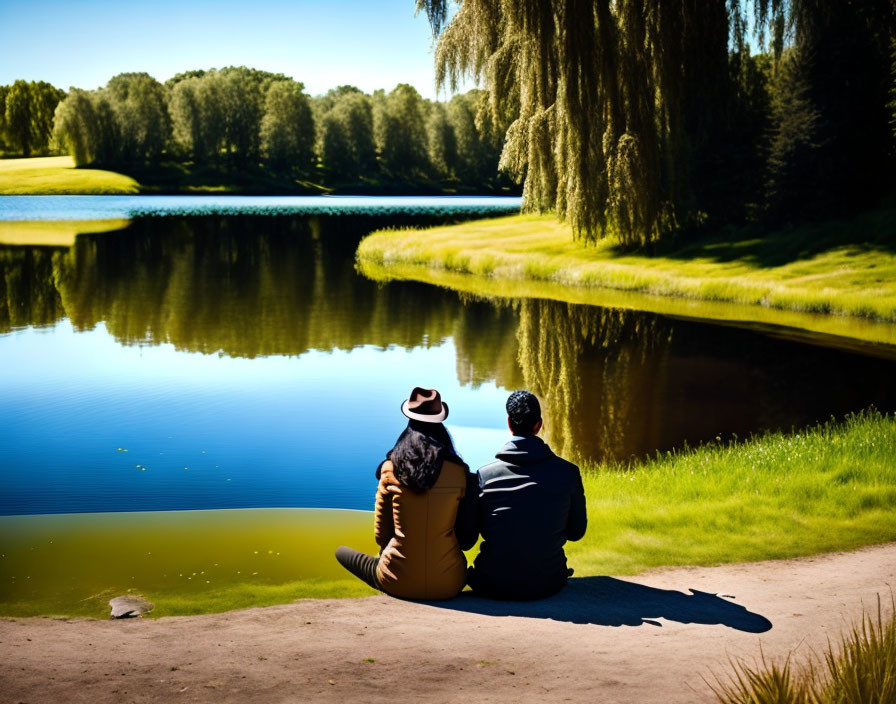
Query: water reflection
<point x="616" y="384"/>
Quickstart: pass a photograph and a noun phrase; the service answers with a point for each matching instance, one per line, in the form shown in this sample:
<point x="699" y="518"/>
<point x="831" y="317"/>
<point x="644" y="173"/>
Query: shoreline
<point x="813" y="278"/>
<point x="587" y="643"/>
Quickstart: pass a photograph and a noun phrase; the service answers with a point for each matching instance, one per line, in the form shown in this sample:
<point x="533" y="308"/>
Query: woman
<point x="426" y="512"/>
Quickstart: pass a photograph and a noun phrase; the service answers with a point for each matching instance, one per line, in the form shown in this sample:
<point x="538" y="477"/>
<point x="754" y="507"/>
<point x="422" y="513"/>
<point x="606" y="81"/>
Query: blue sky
<point x="368" y="43"/>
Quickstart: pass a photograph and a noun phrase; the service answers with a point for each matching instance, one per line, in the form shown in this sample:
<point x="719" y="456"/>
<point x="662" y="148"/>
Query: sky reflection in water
<point x="243" y="362"/>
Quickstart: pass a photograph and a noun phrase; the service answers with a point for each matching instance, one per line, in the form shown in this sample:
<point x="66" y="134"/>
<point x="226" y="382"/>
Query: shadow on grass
<point x="608" y="601"/>
<point x="870" y="231"/>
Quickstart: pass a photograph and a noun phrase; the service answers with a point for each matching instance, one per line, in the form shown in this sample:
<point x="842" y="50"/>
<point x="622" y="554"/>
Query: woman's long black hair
<point x="419" y="453"/>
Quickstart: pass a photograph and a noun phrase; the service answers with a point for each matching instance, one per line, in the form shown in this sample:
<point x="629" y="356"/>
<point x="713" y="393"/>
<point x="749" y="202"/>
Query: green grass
<point x="861" y="669"/>
<point x="53" y="233"/>
<point x="57" y="175"/>
<point x="831" y="487"/>
<point x="843" y="268"/>
<point x="782" y="495"/>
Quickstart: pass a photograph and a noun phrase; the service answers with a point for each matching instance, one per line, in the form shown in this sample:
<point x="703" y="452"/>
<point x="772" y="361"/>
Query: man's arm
<point x="466" y="527"/>
<point x="577" y="520"/>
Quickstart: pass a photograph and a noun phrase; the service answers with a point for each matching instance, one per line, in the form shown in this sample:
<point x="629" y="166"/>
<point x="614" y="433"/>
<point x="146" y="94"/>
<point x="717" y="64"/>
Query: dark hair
<point x="419" y="452"/>
<point x="523" y="412"/>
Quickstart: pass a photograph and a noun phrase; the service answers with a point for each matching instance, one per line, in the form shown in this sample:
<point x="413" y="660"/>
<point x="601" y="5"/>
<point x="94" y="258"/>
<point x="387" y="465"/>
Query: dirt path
<point x="651" y="638"/>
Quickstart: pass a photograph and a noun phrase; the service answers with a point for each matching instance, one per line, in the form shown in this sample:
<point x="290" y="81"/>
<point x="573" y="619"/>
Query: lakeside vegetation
<point x="822" y="268"/>
<point x="859" y="669"/>
<point x="645" y="121"/>
<point x="241" y="130"/>
<point x="57" y="175"/>
<point x="781" y="495"/>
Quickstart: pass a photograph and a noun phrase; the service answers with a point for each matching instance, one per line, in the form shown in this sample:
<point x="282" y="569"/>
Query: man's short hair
<point x="523" y="411"/>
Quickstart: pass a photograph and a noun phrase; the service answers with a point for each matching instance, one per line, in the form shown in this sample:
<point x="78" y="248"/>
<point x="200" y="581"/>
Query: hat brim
<point x="423" y="418"/>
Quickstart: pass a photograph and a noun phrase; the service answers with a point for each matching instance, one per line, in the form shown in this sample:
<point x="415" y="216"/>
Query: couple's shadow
<point x="608" y="601"/>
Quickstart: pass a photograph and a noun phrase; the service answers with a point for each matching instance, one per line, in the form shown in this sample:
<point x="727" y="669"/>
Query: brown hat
<point x="425" y="405"/>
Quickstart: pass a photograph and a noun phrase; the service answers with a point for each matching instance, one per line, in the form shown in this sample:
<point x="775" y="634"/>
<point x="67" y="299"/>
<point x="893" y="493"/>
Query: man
<point x="530" y="503"/>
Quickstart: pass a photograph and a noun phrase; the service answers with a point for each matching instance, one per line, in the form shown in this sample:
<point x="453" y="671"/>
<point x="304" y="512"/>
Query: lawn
<point x="57" y="175"/>
<point x="843" y="268"/>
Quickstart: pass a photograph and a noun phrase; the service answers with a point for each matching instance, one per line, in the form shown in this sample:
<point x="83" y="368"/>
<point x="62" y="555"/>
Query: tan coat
<point x="420" y="557"/>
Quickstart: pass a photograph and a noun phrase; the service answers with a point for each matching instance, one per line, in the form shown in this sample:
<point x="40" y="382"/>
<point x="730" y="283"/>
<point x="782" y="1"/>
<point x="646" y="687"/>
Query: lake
<point x="203" y="356"/>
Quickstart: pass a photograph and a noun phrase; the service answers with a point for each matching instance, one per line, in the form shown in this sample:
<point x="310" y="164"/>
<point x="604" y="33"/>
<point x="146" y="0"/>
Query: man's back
<point x="530" y="503"/>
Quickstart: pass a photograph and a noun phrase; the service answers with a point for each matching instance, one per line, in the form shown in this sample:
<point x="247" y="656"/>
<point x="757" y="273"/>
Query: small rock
<point x="129" y="606"/>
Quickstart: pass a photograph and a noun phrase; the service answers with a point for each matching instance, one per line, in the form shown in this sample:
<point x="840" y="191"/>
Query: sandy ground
<point x="653" y="638"/>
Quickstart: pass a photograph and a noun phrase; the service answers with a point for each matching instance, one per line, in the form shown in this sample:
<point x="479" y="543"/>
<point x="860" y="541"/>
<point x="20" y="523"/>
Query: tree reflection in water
<point x="615" y="384"/>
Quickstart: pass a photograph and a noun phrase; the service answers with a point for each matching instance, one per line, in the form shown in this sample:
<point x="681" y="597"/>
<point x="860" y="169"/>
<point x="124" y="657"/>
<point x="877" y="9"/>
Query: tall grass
<point x="780" y="495"/>
<point x="861" y="670"/>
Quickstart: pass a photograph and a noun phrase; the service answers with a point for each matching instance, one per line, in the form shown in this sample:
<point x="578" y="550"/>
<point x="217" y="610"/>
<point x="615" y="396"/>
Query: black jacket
<point x="530" y="503"/>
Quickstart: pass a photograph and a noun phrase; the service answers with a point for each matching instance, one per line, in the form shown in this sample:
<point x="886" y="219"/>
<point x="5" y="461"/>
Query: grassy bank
<point x="845" y="268"/>
<point x="832" y="487"/>
<point x="53" y="233"/>
<point x="57" y="175"/>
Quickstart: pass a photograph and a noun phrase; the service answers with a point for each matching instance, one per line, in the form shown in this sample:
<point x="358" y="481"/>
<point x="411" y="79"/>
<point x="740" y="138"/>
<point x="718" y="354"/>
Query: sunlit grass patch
<point x="831" y="487"/>
<point x="53" y="233"/>
<point x="814" y="268"/>
<point x="57" y="175"/>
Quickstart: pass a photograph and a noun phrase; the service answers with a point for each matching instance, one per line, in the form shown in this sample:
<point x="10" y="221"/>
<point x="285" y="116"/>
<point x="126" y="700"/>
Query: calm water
<point x="240" y="361"/>
<point x="17" y="208"/>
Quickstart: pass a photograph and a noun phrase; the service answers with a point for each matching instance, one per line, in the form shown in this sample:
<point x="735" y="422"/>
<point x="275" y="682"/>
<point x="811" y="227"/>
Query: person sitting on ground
<point x="530" y="503"/>
<point x="425" y="512"/>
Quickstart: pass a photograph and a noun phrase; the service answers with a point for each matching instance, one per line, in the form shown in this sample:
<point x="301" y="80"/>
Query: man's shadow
<point x="608" y="601"/>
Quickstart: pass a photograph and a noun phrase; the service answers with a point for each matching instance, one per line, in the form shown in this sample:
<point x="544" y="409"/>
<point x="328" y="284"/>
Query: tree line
<point x="238" y="117"/>
<point x="654" y="119"/>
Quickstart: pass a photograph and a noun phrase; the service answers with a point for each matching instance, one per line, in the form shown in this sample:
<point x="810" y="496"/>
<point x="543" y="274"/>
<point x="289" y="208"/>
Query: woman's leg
<point x="361" y="565"/>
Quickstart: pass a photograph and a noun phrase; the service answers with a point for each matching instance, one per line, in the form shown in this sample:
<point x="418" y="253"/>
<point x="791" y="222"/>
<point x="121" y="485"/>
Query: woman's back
<point x="421" y="558"/>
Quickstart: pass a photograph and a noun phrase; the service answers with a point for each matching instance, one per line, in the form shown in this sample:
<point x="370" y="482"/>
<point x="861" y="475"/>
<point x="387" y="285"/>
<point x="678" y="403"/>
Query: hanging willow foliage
<point x="598" y="90"/>
<point x="616" y="109"/>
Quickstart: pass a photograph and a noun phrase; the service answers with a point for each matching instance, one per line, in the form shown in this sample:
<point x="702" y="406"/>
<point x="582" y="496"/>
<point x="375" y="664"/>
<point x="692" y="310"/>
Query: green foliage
<point x="27" y="122"/>
<point x="85" y="125"/>
<point x="347" y="147"/>
<point x="140" y="107"/>
<point x="598" y="92"/>
<point x="860" y="670"/>
<point x="336" y="149"/>
<point x="442" y="142"/>
<point x="620" y="115"/>
<point x="478" y="144"/>
<point x="210" y="121"/>
<point x="792" y="160"/>
<point x="287" y="128"/>
<point x="842" y="68"/>
<point x="401" y="133"/>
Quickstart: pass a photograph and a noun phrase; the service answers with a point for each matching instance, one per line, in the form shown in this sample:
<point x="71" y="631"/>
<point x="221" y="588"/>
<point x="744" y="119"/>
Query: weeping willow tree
<point x="617" y="111"/>
<point x="599" y="373"/>
<point x="597" y="93"/>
